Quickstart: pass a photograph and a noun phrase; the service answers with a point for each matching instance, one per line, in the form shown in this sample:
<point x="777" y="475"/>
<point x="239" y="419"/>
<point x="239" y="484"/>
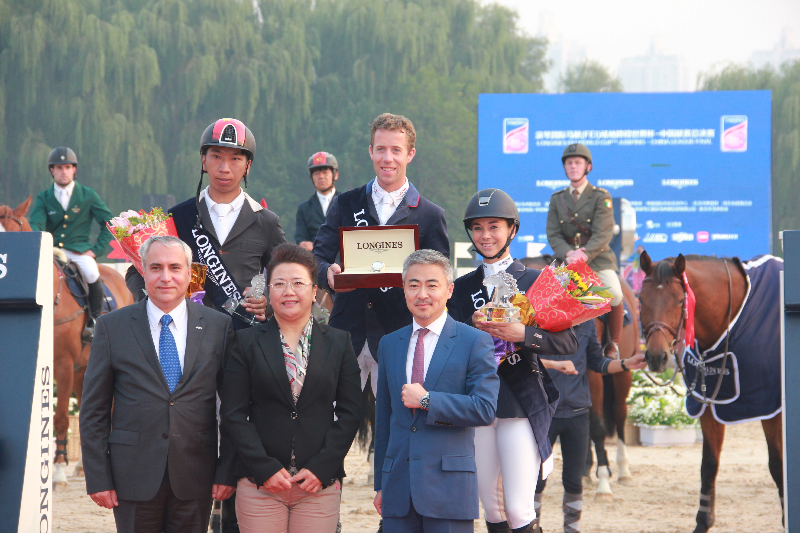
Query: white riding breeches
<point x="86" y="264"/>
<point x="610" y="279"/>
<point x="369" y="368"/>
<point x="508" y="468"/>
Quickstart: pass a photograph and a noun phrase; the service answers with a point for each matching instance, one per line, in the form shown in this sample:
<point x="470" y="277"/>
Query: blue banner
<point x="695" y="166"/>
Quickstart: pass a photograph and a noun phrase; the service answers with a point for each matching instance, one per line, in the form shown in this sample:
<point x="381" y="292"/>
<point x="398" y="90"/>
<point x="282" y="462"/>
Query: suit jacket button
<point x="65" y="225"/>
<point x="172" y="402"/>
<point x="369" y="305"/>
<point x="413" y="429"/>
<point x="66" y="216"/>
<point x="294" y="415"/>
<point x="164" y="436"/>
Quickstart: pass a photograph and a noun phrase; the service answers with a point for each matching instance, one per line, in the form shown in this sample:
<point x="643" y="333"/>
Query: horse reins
<point x="678" y="337"/>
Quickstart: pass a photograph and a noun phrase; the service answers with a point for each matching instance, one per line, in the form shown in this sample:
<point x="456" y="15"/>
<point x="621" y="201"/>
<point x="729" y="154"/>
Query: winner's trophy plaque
<point x="500" y="309"/>
<point x="236" y="307"/>
<point x="372" y="256"/>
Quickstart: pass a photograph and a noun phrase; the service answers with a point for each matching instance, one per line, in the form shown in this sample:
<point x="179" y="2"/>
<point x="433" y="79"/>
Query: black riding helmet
<point x="492" y="203"/>
<point x="230" y="133"/>
<point x="62" y="156"/>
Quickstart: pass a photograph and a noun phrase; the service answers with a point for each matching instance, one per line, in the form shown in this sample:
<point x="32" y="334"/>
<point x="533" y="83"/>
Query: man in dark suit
<point x="68" y="210"/>
<point x="223" y="225"/>
<point x="580" y="225"/>
<point x="389" y="199"/>
<point x="159" y="364"/>
<point x="324" y="171"/>
<point x="437" y="380"/>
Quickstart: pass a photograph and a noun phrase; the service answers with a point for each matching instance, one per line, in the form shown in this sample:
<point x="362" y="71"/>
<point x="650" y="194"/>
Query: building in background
<point x="561" y="52"/>
<point x="786" y="49"/>
<point x="657" y="71"/>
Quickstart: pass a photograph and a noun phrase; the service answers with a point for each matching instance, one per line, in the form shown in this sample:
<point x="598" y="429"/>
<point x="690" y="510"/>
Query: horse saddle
<point x="77" y="286"/>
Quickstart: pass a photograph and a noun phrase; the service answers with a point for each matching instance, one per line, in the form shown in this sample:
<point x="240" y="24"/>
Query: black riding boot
<point x="533" y="527"/>
<point x="498" y="527"/>
<point x="96" y="297"/>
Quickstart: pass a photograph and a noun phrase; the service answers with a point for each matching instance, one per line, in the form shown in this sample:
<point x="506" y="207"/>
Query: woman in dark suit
<point x="291" y="404"/>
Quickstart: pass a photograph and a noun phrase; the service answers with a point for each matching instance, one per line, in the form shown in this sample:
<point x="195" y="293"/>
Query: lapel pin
<point x="199" y="327"/>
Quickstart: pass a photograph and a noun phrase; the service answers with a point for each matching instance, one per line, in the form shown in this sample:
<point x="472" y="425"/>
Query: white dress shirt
<point x="63" y="194"/>
<point x="326" y="199"/>
<point x="494" y="268"/>
<point x="178" y="326"/>
<point x="386" y="202"/>
<point x="429" y="341"/>
<point x="223" y="216"/>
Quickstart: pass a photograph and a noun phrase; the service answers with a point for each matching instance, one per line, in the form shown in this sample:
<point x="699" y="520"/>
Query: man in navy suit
<point x="437" y="380"/>
<point x="389" y="199"/>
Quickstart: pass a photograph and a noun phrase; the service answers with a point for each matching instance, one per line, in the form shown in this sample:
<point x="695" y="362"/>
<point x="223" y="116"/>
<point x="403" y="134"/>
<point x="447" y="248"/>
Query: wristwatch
<point x="425" y="401"/>
<point x="622" y="364"/>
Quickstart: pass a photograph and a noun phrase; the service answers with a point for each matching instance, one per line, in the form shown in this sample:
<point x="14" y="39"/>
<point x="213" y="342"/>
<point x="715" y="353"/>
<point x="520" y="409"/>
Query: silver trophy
<point x="236" y="307"/>
<point x="500" y="309"/>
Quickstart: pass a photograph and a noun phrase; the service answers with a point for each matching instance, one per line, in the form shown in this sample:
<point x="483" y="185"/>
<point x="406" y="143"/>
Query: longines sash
<point x="220" y="285"/>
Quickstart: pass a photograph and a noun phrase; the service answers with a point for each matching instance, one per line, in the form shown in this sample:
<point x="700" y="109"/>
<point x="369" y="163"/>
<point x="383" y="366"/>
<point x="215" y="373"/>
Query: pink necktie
<point x="418" y="368"/>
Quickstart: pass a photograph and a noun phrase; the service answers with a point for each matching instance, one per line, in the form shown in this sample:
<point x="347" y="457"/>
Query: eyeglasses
<point x="297" y="285"/>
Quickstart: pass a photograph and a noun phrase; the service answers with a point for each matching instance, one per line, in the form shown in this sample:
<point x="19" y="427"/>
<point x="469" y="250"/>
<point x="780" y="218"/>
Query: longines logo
<point x="379" y="247"/>
<point x="3" y="267"/>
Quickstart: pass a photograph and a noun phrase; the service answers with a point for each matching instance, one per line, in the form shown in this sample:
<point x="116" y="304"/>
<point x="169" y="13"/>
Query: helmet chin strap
<point x="198" y="224"/>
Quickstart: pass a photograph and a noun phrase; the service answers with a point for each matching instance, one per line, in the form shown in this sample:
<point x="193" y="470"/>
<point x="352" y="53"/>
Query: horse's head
<point x="662" y="309"/>
<point x="14" y="219"/>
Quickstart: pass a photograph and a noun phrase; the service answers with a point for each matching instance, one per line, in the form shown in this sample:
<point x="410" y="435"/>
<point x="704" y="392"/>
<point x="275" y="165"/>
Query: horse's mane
<point x="662" y="271"/>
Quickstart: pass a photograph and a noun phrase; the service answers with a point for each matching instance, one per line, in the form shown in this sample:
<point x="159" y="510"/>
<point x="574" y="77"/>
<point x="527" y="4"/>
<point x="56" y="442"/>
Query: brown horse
<point x="609" y="396"/>
<point x="70" y="355"/>
<point x="720" y="286"/>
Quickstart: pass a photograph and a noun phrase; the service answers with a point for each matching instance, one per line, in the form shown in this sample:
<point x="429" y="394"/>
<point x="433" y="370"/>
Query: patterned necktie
<point x="168" y="354"/>
<point x="575" y="196"/>
<point x="418" y="367"/>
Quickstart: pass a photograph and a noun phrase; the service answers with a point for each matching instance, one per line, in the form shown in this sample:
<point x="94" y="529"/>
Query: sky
<point x="705" y="32"/>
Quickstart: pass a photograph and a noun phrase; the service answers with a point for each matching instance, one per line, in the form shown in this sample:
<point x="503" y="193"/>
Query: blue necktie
<point x="168" y="354"/>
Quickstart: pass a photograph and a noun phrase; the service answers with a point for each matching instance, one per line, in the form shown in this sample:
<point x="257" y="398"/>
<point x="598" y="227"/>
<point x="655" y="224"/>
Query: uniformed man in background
<point x="580" y="225"/>
<point x="323" y="169"/>
<point x="67" y="210"/>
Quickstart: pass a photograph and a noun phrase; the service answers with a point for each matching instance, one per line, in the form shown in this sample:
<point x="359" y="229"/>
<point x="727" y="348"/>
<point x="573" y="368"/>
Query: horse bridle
<point x="15" y="219"/>
<point x="678" y="337"/>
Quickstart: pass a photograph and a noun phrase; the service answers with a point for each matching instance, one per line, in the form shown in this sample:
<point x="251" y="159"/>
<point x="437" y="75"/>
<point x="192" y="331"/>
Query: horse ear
<point x="645" y="263"/>
<point x="679" y="266"/>
<point x="23" y="208"/>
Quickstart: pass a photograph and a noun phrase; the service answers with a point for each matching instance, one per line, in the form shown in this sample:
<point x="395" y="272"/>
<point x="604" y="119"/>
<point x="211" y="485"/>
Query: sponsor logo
<point x="3" y="267"/>
<point x="702" y="236"/>
<point x="515" y="135"/>
<point x="615" y="184"/>
<point x="679" y="183"/>
<point x="660" y="238"/>
<point x="724" y="236"/>
<point x="652" y="225"/>
<point x="552" y="184"/>
<point x="682" y="236"/>
<point x="734" y="133"/>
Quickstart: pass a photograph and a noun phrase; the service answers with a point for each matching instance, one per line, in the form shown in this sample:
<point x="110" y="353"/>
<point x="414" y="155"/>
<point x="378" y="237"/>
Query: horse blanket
<point x="751" y="385"/>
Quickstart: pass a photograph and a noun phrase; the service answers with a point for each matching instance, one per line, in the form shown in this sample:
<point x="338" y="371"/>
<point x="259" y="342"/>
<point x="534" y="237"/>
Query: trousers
<point x="574" y="434"/>
<point x="290" y="511"/>
<point x="86" y="264"/>
<point x="508" y="464"/>
<point x="610" y="279"/>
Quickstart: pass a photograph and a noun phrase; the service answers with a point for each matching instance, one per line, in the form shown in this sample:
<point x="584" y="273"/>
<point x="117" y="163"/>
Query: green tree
<point x="785" y="86"/>
<point x="588" y="77"/>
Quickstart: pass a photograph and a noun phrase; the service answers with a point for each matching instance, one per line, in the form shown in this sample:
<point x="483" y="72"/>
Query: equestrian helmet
<point x="62" y="156"/>
<point x="491" y="203"/>
<point x="576" y="149"/>
<point x="322" y="160"/>
<point x="230" y="133"/>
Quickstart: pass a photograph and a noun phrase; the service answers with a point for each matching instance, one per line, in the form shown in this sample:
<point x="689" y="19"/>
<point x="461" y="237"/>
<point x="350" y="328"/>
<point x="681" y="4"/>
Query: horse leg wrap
<point x="62" y="452"/>
<point x="573" y="506"/>
<point x="705" y="514"/>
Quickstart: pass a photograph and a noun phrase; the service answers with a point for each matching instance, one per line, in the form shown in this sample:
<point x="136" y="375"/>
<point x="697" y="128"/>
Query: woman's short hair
<point x="165" y="240"/>
<point x="429" y="257"/>
<point x="291" y="253"/>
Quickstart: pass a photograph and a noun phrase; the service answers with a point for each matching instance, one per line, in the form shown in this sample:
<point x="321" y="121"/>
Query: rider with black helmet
<point x="67" y="210"/>
<point x="323" y="169"/>
<point x="513" y="448"/>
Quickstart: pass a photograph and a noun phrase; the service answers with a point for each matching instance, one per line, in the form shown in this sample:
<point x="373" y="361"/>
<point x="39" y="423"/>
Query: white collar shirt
<point x="223" y="216"/>
<point x="386" y="202"/>
<point x="494" y="268"/>
<point x="325" y="200"/>
<point x="579" y="189"/>
<point x="64" y="194"/>
<point x="178" y="326"/>
<point x="429" y="341"/>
